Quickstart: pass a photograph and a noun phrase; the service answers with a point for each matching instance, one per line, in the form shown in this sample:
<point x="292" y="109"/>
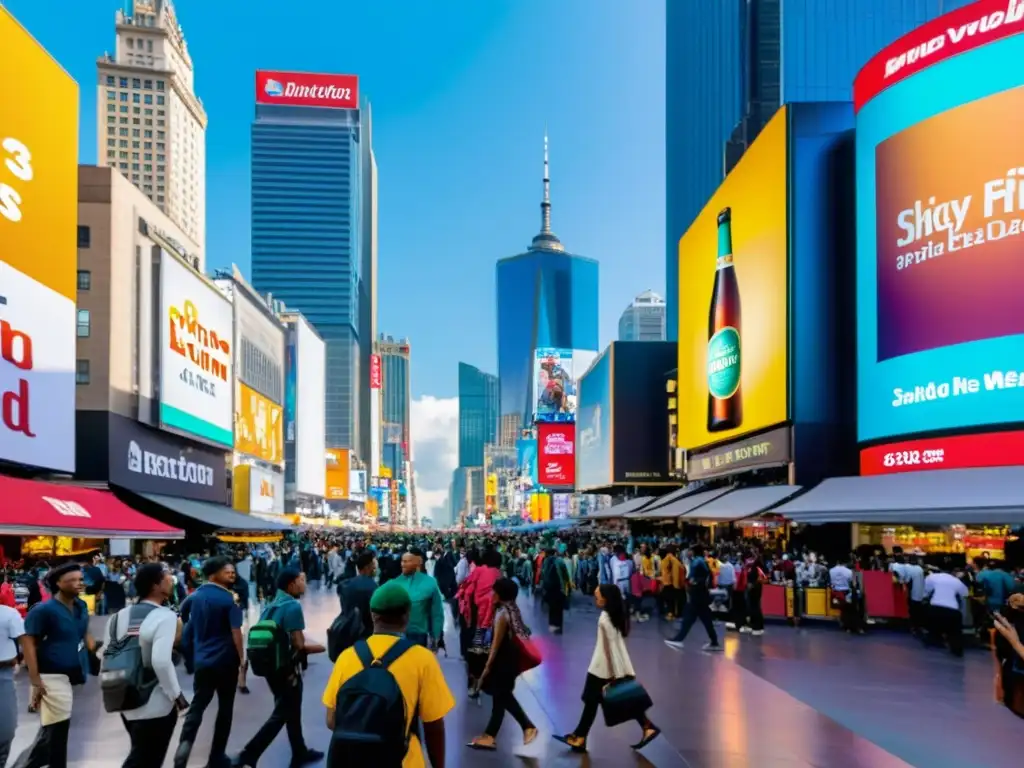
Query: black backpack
<point x="126" y="682"/>
<point x="345" y="631"/>
<point x="370" y="714"/>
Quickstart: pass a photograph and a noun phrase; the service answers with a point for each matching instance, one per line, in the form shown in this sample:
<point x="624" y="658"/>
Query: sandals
<point x="650" y="734"/>
<point x="573" y="742"/>
<point x="482" y="746"/>
<point x="529" y="735"/>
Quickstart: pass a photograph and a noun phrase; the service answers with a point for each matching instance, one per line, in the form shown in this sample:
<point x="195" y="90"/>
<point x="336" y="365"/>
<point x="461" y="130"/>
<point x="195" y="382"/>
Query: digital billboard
<point x="337" y="462"/>
<point x="307" y="89"/>
<point x="38" y="256"/>
<point x="196" y="367"/>
<point x="732" y="355"/>
<point x="593" y="425"/>
<point x="526" y="459"/>
<point x="940" y="265"/>
<point x="259" y="426"/>
<point x="640" y="451"/>
<point x="554" y="386"/>
<point x="305" y="392"/>
<point x="266" y="491"/>
<point x="556" y="445"/>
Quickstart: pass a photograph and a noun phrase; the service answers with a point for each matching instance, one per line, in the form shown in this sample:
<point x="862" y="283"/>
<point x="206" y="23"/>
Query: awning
<point x="668" y="498"/>
<point x="684" y="504"/>
<point x="216" y="517"/>
<point x="743" y="502"/>
<point x="936" y="497"/>
<point x="620" y="509"/>
<point x="34" y="508"/>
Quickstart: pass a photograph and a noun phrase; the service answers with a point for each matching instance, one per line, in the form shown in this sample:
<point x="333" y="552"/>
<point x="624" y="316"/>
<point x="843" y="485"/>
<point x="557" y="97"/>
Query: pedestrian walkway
<point x="795" y="698"/>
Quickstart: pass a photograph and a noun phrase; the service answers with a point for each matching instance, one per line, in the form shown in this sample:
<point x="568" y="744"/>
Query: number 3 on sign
<point x="18" y="161"/>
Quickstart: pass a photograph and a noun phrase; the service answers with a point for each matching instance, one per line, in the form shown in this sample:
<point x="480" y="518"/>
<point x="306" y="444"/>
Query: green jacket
<point x="427" y="614"/>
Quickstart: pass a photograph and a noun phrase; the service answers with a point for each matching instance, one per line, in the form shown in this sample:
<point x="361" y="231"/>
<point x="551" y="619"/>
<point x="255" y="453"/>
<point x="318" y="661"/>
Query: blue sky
<point x="461" y="91"/>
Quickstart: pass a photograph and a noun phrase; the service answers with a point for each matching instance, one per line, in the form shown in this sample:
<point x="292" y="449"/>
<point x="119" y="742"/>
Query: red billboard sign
<point x="972" y="26"/>
<point x="993" y="449"/>
<point x="376" y="379"/>
<point x="557" y="454"/>
<point x="305" y="89"/>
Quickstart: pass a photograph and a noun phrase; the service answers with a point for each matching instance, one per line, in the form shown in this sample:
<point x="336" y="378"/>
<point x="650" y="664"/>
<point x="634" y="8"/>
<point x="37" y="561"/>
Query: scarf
<point x="517" y="625"/>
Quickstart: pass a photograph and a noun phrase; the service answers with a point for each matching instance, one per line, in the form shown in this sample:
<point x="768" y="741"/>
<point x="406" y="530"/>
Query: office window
<point x="84" y="236"/>
<point x="84" y="323"/>
<point x="81" y="372"/>
<point x="84" y="278"/>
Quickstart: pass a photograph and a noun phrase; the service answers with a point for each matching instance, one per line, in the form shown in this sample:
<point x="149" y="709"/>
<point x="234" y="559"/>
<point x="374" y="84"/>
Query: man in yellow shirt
<point x="417" y="673"/>
<point x="673" y="577"/>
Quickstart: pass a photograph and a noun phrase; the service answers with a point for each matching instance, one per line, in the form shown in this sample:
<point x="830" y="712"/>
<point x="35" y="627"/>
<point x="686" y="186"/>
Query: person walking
<point x="698" y="604"/>
<point x="609" y="662"/>
<point x="426" y="620"/>
<point x="11" y="628"/>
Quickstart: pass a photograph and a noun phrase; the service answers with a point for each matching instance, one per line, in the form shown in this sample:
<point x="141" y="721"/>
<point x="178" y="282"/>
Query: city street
<point x="793" y="699"/>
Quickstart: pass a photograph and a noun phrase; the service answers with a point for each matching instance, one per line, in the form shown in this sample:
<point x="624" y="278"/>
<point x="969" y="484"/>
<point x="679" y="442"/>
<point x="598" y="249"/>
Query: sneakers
<point x="757" y="632"/>
<point x="712" y="647"/>
<point x="730" y="625"/>
<point x="745" y="630"/>
<point x="677" y="644"/>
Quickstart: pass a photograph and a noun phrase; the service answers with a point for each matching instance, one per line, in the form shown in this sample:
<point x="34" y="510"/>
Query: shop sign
<point x="772" y="448"/>
<point x="992" y="449"/>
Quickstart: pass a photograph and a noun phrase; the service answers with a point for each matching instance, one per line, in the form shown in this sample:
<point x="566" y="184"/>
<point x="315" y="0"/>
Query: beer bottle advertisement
<point x="733" y="301"/>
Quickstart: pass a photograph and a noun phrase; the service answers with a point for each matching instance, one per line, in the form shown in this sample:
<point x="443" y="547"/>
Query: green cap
<point x="390" y="598"/>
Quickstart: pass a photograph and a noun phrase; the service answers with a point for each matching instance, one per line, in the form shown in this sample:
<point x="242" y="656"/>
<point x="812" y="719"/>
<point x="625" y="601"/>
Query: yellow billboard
<point x="491" y="487"/>
<point x="259" y="426"/>
<point x="733" y="300"/>
<point x="338" y="466"/>
<point x="540" y="507"/>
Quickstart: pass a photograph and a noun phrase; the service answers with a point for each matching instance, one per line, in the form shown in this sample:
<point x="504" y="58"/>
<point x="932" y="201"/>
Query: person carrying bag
<point x="611" y="683"/>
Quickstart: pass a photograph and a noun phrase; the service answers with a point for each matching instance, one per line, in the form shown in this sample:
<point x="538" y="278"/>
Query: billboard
<point x="196" y="367"/>
<point x="554" y="386"/>
<point x="561" y="506"/>
<point x="308" y="394"/>
<point x="940" y="267"/>
<point x="338" y="469"/>
<point x="526" y="460"/>
<point x="376" y="374"/>
<point x="306" y="89"/>
<point x="556" y="444"/>
<point x="593" y="425"/>
<point x="259" y="345"/>
<point x="38" y="257"/>
<point x="357" y="485"/>
<point x="290" y="381"/>
<point x="732" y="356"/>
<point x="266" y="491"/>
<point x="259" y="426"/>
<point x="640" y="452"/>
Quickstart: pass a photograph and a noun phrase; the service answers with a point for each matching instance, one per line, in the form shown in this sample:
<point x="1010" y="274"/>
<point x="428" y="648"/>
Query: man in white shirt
<point x="947" y="595"/>
<point x="11" y="628"/>
<point x="462" y="568"/>
<point x="151" y="726"/>
<point x="845" y="597"/>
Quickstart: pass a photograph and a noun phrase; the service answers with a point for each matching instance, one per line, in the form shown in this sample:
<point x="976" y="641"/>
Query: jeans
<point x="698" y="607"/>
<point x="287" y="714"/>
<point x="8" y="712"/>
<point x="220" y="680"/>
<point x="50" y="748"/>
<point x="150" y="740"/>
<point x="502" y="702"/>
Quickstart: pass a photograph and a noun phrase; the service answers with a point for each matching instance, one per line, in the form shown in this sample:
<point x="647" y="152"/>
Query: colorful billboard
<point x="339" y="468"/>
<point x="196" y="367"/>
<point x="266" y="491"/>
<point x="38" y="257"/>
<point x="556" y="444"/>
<point x="259" y="426"/>
<point x="594" y="426"/>
<point x="732" y="356"/>
<point x="554" y="386"/>
<point x="991" y="449"/>
<point x="526" y="460"/>
<point x="376" y="372"/>
<point x="940" y="268"/>
<point x="306" y="89"/>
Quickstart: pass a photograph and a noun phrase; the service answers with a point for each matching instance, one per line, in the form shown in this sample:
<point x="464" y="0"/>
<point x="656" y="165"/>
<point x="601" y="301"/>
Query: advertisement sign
<point x="38" y="256"/>
<point x="306" y="89"/>
<point x="491" y="487"/>
<point x="357" y="485"/>
<point x="996" y="449"/>
<point x="771" y="449"/>
<point x="259" y="426"/>
<point x="561" y="507"/>
<point x="309" y="398"/>
<point x="554" y="385"/>
<point x="733" y="300"/>
<point x="526" y="459"/>
<point x="557" y="446"/>
<point x="339" y="472"/>
<point x="376" y="375"/>
<point x="266" y="491"/>
<point x="290" y="373"/>
<point x="938" y="244"/>
<point x="640" y="454"/>
<point x="594" y="439"/>
<point x="259" y="351"/>
<point x="539" y="506"/>
<point x="196" y="379"/>
<point x="146" y="460"/>
<point x="392" y="434"/>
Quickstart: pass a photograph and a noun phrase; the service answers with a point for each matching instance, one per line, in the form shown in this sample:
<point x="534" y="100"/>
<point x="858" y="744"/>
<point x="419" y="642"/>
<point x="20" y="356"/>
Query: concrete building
<point x="151" y="126"/>
<point x="643" y="319"/>
<point x="730" y="64"/>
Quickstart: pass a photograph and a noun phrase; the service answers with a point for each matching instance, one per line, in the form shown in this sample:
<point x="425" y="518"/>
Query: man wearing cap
<point x="416" y="672"/>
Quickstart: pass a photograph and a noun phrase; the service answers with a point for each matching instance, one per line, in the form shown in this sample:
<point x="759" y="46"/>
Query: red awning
<point x="33" y="508"/>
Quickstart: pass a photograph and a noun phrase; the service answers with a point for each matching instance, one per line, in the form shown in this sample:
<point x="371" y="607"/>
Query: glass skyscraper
<point x="730" y="64"/>
<point x="547" y="297"/>
<point x="478" y="414"/>
<point x="313" y="222"/>
<point x="396" y="401"/>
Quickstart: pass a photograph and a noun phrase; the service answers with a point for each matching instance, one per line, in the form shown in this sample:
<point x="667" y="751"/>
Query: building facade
<point x="731" y="64"/>
<point x="643" y="319"/>
<point x="478" y="414"/>
<point x="313" y="222"/>
<point x="151" y="126"/>
<point x="546" y="297"/>
<point x="396" y="403"/>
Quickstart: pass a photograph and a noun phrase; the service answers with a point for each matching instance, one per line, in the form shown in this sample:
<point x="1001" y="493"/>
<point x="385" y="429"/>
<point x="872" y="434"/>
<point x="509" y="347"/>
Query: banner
<point x="339" y="473"/>
<point x="376" y="375"/>
<point x="259" y="426"/>
<point x="557" y="447"/>
<point x="770" y="449"/>
<point x="554" y="385"/>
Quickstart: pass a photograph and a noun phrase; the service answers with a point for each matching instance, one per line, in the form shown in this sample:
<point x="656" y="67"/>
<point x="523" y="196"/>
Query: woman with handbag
<point x="611" y="681"/>
<point x="510" y="646"/>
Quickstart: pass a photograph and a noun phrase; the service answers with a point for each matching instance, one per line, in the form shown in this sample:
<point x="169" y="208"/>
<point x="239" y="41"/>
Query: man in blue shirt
<point x="698" y="604"/>
<point x="286" y="686"/>
<point x="214" y="630"/>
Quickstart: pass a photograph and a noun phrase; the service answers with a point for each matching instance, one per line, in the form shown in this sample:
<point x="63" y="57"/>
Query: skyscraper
<point x="478" y="414"/>
<point x="395" y="405"/>
<point x="547" y="297"/>
<point x="151" y="126"/>
<point x="314" y="225"/>
<point x="730" y="64"/>
<point x="643" y="319"/>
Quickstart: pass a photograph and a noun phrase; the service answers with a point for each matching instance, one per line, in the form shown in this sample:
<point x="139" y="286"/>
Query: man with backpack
<point x="382" y="689"/>
<point x="137" y="675"/>
<point x="277" y="646"/>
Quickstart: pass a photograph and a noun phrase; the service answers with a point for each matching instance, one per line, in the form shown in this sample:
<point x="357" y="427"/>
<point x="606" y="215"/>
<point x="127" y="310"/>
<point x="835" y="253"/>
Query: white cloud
<point x="435" y="451"/>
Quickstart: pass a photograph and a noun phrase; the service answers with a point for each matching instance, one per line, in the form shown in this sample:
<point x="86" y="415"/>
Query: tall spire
<point x="546" y="240"/>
